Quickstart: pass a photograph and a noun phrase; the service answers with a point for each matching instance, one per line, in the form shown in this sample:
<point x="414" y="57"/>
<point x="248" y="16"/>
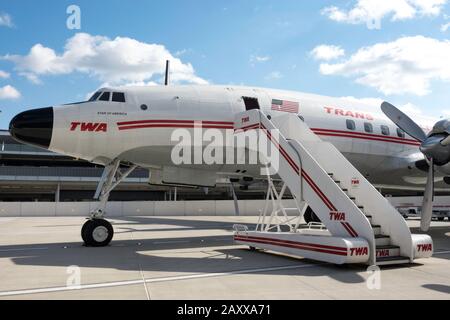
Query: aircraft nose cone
<point x="33" y="127"/>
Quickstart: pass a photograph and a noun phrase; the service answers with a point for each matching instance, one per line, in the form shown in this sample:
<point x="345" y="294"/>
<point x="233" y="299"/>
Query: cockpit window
<point x="118" y="97"/>
<point x="95" y="96"/>
<point x="105" y="96"/>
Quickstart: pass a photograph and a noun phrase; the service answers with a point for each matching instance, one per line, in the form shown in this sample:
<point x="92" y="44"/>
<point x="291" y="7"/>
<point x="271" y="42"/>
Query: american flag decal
<point x="285" y="106"/>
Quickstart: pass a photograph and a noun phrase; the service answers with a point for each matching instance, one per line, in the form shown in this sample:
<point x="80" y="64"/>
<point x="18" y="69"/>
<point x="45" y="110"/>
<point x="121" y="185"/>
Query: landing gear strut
<point x="98" y="232"/>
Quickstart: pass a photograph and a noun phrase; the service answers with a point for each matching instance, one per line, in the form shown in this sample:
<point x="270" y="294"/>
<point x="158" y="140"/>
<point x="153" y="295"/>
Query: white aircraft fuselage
<point x="137" y="128"/>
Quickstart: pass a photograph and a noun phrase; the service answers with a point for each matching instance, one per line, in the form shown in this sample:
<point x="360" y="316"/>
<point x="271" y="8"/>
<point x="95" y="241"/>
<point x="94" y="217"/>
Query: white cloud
<point x="9" y="92"/>
<point x="254" y="59"/>
<point x="4" y="75"/>
<point x="118" y="61"/>
<point x="417" y="113"/>
<point x="275" y="75"/>
<point x="183" y="52"/>
<point x="262" y="59"/>
<point x="375" y="102"/>
<point x="327" y="53"/>
<point x="445" y="27"/>
<point x="364" y="11"/>
<point x="33" y="78"/>
<point x="407" y="65"/>
<point x="408" y="108"/>
<point x="6" y="20"/>
<point x="411" y="109"/>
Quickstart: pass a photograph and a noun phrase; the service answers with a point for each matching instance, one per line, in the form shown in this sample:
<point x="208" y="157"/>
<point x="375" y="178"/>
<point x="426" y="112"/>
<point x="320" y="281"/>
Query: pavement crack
<point x="141" y="272"/>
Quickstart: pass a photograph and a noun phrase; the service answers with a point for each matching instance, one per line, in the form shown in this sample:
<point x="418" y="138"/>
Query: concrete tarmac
<point x="192" y="258"/>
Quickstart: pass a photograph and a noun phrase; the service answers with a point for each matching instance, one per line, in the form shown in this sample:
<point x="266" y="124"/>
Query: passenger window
<point x="368" y="127"/>
<point x="401" y="133"/>
<point x="351" y="125"/>
<point x="105" y="96"/>
<point x="95" y="96"/>
<point x="118" y="97"/>
<point x="385" y="130"/>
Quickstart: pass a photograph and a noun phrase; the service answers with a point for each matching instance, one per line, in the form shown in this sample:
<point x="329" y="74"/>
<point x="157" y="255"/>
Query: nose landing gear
<point x="97" y="232"/>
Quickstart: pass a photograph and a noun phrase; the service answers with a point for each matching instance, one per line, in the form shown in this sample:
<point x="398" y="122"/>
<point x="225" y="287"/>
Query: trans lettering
<point x="347" y="113"/>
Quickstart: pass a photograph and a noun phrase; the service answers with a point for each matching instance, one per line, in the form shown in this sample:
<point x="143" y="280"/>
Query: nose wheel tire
<point x="97" y="233"/>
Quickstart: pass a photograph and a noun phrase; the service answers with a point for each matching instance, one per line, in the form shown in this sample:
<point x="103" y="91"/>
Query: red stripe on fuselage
<point x="247" y="128"/>
<point x="143" y="124"/>
<point x="364" y="136"/>
<point x="128" y="123"/>
<point x="177" y="126"/>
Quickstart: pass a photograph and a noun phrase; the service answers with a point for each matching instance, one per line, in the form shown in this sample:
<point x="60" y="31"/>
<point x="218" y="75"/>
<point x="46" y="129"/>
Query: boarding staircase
<point x="361" y="226"/>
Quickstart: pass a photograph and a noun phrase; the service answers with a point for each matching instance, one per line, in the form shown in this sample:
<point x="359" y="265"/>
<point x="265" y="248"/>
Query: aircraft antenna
<point x="167" y="80"/>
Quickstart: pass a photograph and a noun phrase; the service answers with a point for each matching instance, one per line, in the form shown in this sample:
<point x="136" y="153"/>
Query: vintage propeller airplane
<point x="128" y="127"/>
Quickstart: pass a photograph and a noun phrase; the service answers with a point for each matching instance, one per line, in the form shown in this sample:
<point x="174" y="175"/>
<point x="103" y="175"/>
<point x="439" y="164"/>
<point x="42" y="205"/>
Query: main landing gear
<point x="98" y="232"/>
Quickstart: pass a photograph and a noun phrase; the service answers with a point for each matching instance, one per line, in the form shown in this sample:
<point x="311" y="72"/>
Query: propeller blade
<point x="403" y="121"/>
<point x="428" y="198"/>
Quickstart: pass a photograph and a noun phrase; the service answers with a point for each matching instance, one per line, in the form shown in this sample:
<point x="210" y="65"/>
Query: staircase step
<point x="369" y="217"/>
<point x="392" y="261"/>
<point x="387" y="251"/>
<point x="376" y="229"/>
<point x="382" y="240"/>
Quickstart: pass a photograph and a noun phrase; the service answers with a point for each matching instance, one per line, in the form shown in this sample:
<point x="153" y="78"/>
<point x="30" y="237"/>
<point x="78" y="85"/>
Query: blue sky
<point x="259" y="43"/>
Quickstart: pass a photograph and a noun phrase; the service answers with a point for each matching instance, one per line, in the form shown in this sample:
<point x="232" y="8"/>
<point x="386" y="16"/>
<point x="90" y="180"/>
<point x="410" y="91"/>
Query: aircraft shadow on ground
<point x="206" y="254"/>
<point x="438" y="287"/>
<point x="128" y="256"/>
